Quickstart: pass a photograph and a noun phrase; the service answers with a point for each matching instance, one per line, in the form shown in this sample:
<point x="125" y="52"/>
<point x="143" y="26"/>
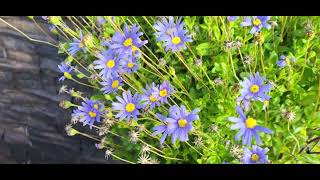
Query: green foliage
<point x="296" y="87"/>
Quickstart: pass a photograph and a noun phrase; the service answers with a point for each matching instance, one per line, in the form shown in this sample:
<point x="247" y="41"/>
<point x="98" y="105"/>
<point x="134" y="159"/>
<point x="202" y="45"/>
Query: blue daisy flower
<point x="173" y="37"/>
<point x="151" y="96"/>
<point x="100" y="20"/>
<point x="77" y="45"/>
<point x="161" y="128"/>
<point x="248" y="128"/>
<point x="129" y="42"/>
<point x="165" y="28"/>
<point x="129" y="64"/>
<point x="254" y="89"/>
<point x="108" y="63"/>
<point x="89" y="112"/>
<point x="112" y="84"/>
<point x="257" y="22"/>
<point x="128" y="106"/>
<point x="66" y="70"/>
<point x="232" y="18"/>
<point x="283" y="62"/>
<point x="179" y="122"/>
<point x="255" y="156"/>
<point x="164" y="91"/>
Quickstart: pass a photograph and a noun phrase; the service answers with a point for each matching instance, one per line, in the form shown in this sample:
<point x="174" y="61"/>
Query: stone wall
<point x="32" y="125"/>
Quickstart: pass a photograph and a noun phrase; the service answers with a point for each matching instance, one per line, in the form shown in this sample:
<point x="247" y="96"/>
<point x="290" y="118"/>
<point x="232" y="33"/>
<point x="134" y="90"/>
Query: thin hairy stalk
<point x="31" y="39"/>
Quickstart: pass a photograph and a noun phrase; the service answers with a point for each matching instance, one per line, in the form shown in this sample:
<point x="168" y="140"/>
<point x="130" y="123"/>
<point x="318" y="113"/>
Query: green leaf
<point x="204" y="49"/>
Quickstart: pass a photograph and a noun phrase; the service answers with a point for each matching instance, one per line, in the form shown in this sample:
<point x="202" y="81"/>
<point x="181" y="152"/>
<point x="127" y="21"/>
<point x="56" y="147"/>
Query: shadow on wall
<point x="32" y="125"/>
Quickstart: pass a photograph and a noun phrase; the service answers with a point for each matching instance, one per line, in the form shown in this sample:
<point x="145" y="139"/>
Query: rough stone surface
<point x="32" y="125"/>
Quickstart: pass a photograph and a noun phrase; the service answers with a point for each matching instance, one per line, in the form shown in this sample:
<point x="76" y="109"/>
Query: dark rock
<point x="32" y="125"/>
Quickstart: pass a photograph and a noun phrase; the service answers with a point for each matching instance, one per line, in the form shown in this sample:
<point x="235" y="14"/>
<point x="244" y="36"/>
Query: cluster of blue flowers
<point x="122" y="57"/>
<point x="253" y="89"/>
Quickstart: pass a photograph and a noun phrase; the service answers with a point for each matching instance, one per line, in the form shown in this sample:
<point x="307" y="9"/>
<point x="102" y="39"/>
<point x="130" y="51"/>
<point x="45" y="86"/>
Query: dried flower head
<point x="198" y="142"/>
<point x="162" y="62"/>
<point x="63" y="89"/>
<point x="237" y="44"/>
<point x="228" y="45"/>
<point x="218" y="81"/>
<point x="248" y="60"/>
<point x="145" y="149"/>
<point x="273" y="24"/>
<point x="154" y="161"/>
<point x="214" y="128"/>
<point x="134" y="136"/>
<point x="144" y="159"/>
<point x="198" y="62"/>
<point x="289" y="115"/>
<point x="236" y="151"/>
<point x="108" y="153"/>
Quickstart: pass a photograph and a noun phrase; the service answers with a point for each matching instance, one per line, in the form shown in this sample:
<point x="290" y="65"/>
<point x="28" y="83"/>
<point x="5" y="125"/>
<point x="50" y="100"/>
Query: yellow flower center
<point x="134" y="48"/>
<point x="67" y="75"/>
<point x="130" y="107"/>
<point x="255" y="157"/>
<point x="81" y="44"/>
<point x="163" y="93"/>
<point x="153" y="99"/>
<point x="256" y="22"/>
<point x="266" y="103"/>
<point x="254" y="88"/>
<point x="110" y="64"/>
<point x="127" y="42"/>
<point x="130" y="65"/>
<point x="115" y="84"/>
<point x="182" y="123"/>
<point x="176" y="40"/>
<point x="92" y="114"/>
<point x="96" y="106"/>
<point x="251" y="123"/>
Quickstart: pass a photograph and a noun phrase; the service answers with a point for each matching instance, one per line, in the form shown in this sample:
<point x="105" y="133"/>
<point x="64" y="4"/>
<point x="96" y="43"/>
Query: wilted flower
<point x="255" y="156"/>
<point x="248" y="128"/>
<point x="257" y="22"/>
<point x="228" y="44"/>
